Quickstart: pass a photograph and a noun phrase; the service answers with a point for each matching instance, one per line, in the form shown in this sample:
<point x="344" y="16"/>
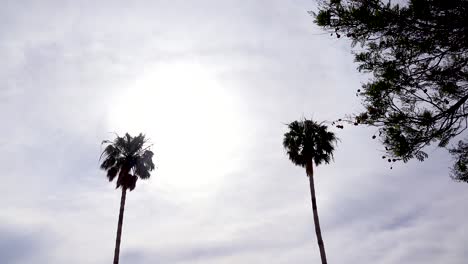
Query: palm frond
<point x="126" y="154"/>
<point x="111" y="173"/>
<point x="308" y="140"/>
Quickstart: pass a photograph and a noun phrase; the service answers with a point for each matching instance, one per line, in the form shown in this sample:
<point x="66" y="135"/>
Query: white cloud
<point x="224" y="190"/>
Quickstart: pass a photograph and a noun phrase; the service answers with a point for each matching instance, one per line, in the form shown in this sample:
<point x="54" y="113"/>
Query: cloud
<point x="73" y="72"/>
<point x="14" y="247"/>
<point x="23" y="245"/>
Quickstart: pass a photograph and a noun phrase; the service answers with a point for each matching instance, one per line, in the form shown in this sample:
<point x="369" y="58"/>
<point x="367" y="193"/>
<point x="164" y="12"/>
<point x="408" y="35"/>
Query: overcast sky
<point x="212" y="83"/>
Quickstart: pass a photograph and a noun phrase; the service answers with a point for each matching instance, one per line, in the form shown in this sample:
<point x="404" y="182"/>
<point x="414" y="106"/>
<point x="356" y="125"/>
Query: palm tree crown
<point x="308" y="140"/>
<point x="126" y="155"/>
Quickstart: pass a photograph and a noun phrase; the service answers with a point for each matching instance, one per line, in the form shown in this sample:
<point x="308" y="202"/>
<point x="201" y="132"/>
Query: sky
<point x="212" y="84"/>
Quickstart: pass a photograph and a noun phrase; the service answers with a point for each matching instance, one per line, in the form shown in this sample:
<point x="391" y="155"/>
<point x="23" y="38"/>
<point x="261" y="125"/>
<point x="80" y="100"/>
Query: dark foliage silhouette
<point x="460" y="154"/>
<point x="308" y="142"/>
<point x="126" y="159"/>
<point x="418" y="56"/>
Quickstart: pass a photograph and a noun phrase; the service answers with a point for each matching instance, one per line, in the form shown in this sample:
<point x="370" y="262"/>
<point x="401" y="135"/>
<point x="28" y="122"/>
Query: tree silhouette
<point x="308" y="142"/>
<point x="126" y="158"/>
<point x="459" y="169"/>
<point x="418" y="56"/>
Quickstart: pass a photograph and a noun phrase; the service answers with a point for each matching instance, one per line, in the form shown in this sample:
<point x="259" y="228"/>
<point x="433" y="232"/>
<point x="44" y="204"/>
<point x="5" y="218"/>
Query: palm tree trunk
<point x="318" y="232"/>
<point x="119" y="226"/>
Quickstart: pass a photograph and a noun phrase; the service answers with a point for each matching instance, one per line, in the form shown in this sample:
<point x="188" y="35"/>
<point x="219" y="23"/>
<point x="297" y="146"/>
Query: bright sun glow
<point x="191" y="120"/>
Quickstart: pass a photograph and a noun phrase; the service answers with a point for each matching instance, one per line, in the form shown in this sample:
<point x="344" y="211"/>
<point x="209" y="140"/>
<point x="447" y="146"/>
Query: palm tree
<point x="126" y="158"/>
<point x="309" y="142"/>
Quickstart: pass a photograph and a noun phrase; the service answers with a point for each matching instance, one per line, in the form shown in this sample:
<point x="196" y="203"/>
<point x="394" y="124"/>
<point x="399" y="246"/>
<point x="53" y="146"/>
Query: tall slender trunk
<point x="119" y="226"/>
<point x="318" y="232"/>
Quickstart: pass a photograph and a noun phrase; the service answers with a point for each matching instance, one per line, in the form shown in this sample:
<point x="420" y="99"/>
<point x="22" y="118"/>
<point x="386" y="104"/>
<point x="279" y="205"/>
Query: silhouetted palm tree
<point x="308" y="142"/>
<point x="126" y="158"/>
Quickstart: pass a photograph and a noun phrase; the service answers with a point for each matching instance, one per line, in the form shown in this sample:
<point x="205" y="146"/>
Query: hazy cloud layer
<point x="212" y="83"/>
